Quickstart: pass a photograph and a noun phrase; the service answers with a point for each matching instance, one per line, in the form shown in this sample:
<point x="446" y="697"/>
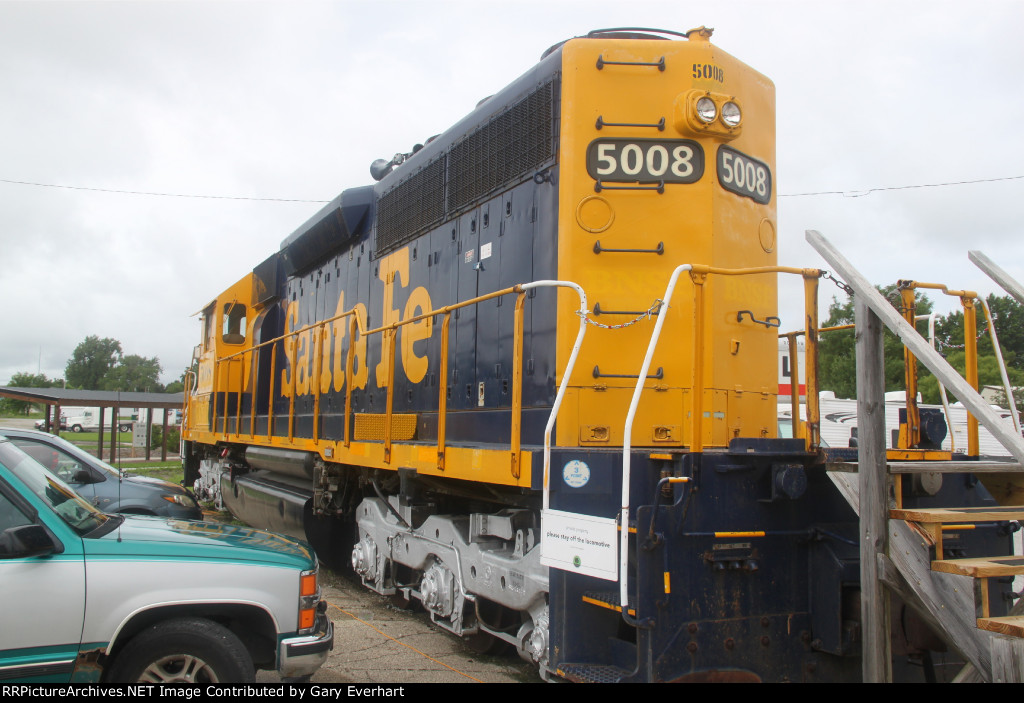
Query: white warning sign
<point x="581" y="543"/>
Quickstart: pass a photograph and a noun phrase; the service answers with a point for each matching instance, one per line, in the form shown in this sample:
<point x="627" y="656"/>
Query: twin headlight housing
<point x="701" y="111"/>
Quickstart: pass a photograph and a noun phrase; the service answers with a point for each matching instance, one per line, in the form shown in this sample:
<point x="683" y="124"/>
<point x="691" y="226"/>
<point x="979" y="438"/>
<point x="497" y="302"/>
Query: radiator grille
<point x="412" y="206"/>
<point x="509" y="147"/>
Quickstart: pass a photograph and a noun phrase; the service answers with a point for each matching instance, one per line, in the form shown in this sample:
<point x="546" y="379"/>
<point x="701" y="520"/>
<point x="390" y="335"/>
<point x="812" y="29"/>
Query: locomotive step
<point x="984" y="567"/>
<point x="592" y="673"/>
<point x="609" y="600"/>
<point x="1012" y="625"/>
<point x="937" y="516"/>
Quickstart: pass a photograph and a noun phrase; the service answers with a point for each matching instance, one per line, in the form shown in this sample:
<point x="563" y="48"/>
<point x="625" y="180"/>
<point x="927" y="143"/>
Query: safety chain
<point x="897" y="302"/>
<point x="946" y="345"/>
<point x="653" y="310"/>
<point x="827" y="275"/>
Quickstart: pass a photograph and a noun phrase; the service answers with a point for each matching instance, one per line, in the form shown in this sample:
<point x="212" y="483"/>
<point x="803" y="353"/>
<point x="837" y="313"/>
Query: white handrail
<point x="624" y="520"/>
<point x="582" y="312"/>
<point x="942" y="389"/>
<point x="1002" y="365"/>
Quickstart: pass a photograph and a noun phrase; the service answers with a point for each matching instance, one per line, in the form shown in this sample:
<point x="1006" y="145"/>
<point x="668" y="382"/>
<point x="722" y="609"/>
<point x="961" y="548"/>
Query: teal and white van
<point x="91" y="597"/>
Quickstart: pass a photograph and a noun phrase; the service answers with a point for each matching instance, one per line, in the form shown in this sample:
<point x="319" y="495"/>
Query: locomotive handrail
<point x="357" y="325"/>
<point x="907" y="290"/>
<point x="698" y="275"/>
<point x="570" y="365"/>
<point x="967" y="300"/>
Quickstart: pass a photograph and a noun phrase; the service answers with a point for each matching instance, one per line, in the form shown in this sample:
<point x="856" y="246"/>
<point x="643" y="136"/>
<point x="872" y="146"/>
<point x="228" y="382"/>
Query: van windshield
<point x="78" y="513"/>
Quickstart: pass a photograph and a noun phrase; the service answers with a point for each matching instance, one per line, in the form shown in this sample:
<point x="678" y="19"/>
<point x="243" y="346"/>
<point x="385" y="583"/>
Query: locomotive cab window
<point x="234" y="323"/>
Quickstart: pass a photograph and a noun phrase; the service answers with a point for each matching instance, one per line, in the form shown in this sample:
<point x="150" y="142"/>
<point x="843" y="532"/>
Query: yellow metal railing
<point x="223" y="367"/>
<point x="907" y="296"/>
<point x="911" y="436"/>
<point x="812" y="426"/>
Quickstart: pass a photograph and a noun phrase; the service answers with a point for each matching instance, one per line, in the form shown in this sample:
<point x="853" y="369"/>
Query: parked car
<point x="107" y="488"/>
<point x="169" y="601"/>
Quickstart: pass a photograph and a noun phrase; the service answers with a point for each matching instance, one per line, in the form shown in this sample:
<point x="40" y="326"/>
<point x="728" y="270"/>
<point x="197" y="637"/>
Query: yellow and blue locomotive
<point x="528" y="379"/>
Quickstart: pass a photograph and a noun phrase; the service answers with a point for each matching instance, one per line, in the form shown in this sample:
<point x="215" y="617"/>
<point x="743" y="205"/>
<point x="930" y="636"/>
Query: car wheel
<point x="76" y="428"/>
<point x="185" y="650"/>
<point x="125" y="428"/>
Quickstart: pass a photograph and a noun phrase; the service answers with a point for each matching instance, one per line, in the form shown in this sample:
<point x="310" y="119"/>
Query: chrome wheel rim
<point x="179" y="668"/>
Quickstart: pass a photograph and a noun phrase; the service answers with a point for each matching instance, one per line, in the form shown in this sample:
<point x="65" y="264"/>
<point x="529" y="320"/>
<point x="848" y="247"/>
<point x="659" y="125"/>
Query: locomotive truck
<point x="527" y="380"/>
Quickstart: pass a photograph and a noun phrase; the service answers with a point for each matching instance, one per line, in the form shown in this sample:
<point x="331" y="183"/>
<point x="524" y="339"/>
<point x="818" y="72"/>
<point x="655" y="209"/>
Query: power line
<point x="162" y="195"/>
<point x="869" y="191"/>
<point x="844" y="193"/>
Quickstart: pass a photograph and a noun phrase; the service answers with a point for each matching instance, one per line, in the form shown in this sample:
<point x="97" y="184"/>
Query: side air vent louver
<point x="414" y="205"/>
<point x="509" y="147"/>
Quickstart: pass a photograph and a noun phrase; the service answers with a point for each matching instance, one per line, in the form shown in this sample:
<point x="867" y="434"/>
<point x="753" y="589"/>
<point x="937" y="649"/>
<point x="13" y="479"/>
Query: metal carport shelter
<point x="55" y="398"/>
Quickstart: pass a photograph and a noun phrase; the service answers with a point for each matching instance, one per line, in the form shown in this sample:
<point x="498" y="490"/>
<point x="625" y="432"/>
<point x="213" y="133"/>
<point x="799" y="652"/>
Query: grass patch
<point x="167" y="470"/>
<point x="92" y="437"/>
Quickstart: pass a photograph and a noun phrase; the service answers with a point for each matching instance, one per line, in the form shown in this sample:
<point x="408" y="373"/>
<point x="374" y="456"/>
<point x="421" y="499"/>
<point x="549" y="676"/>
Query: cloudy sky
<point x="266" y="108"/>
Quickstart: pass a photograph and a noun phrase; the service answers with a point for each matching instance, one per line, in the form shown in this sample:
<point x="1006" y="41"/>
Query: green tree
<point x="178" y="386"/>
<point x="837" y="354"/>
<point x="91" y="361"/>
<point x="988" y="375"/>
<point x="10" y="406"/>
<point x="1009" y="322"/>
<point x="1008" y="319"/>
<point x="134" y="373"/>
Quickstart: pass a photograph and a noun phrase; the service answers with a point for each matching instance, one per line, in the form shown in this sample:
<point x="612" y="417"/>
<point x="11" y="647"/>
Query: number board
<point x="645" y="160"/>
<point x="744" y="175"/>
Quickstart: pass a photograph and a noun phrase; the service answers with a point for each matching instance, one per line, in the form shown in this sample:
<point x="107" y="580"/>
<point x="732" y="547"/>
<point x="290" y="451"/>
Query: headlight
<point x="702" y="113"/>
<point x="706" y="110"/>
<point x="179" y="499"/>
<point x="731" y="114"/>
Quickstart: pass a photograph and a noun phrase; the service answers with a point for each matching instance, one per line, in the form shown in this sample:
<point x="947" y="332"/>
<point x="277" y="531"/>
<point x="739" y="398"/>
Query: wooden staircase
<point x="902" y="549"/>
<point x="933" y="520"/>
<point x="951" y="595"/>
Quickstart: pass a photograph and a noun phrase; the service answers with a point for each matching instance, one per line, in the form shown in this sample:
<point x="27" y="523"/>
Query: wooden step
<point x="1012" y="625"/>
<point x="985" y="567"/>
<point x="932" y="519"/>
<point x="939" y="516"/>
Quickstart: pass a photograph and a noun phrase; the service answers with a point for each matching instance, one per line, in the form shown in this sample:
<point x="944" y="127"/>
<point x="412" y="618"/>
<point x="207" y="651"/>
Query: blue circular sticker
<point x="576" y="474"/>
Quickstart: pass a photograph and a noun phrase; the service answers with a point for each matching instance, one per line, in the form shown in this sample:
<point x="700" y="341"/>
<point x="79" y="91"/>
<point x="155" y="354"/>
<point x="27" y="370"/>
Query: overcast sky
<point x="293" y="100"/>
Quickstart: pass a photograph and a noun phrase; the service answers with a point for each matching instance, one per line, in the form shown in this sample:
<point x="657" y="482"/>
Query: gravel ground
<point x="374" y="642"/>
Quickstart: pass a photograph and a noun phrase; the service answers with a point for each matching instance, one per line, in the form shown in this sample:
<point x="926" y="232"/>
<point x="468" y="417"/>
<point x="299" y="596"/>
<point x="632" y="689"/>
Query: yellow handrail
<point x="390" y="332"/>
<point x="698" y="274"/>
<point x="967" y="298"/>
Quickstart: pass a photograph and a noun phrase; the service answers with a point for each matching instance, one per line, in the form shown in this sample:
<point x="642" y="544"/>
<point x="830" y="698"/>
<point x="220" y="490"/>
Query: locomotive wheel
<point x="485" y="643"/>
<point x="402" y="602"/>
<point x="186" y="650"/>
<point x="496" y="617"/>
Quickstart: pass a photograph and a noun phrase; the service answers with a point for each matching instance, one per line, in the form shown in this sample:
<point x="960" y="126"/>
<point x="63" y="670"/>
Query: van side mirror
<point x="27" y="541"/>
